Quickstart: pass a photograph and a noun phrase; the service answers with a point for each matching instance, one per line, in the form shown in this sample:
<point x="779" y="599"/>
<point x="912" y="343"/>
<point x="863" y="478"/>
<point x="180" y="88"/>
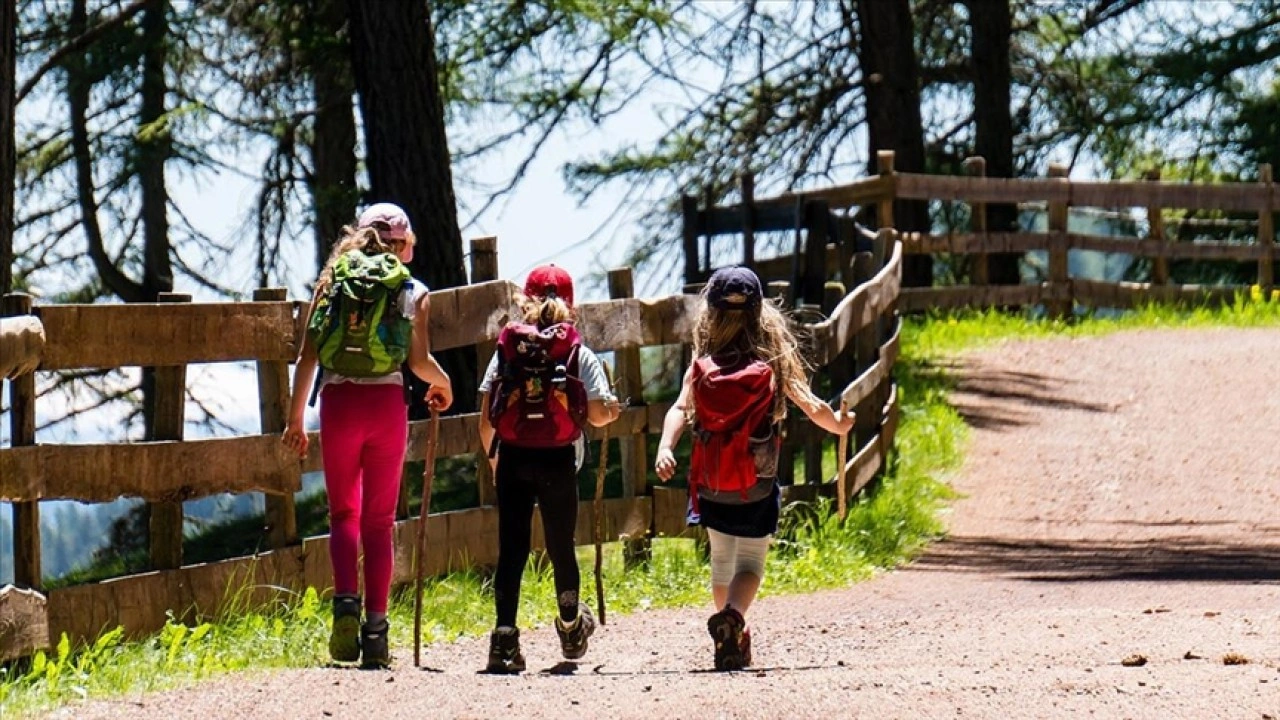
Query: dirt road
<point x="1116" y="554"/>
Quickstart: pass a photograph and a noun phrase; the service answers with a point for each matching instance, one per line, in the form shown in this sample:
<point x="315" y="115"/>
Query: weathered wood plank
<point x="959" y="296"/>
<point x="670" y="506"/>
<point x="1127" y="294"/>
<point x="159" y="334"/>
<point x="21" y="345"/>
<point x="469" y="314"/>
<point x="858" y="310"/>
<point x="24" y="623"/>
<point x="633" y="322"/>
<point x="858" y="192"/>
<point x="972" y="243"/>
<point x="1109" y="194"/>
<point x="168" y="471"/>
<point x="1157" y="248"/>
<point x="866" y="383"/>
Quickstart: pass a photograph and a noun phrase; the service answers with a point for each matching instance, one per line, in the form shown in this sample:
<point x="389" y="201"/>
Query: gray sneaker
<point x="573" y="635"/>
<point x="344" y="639"/>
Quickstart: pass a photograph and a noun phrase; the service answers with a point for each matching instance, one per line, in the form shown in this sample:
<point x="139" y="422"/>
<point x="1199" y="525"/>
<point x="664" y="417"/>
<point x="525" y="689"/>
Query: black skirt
<point x="754" y="519"/>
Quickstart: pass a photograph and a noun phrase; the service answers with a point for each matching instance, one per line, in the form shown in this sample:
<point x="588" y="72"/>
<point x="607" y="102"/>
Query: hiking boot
<point x="727" y="629"/>
<point x="745" y="647"/>
<point x="373" y="644"/>
<point x="344" y="640"/>
<point x="573" y="636"/>
<point x="504" y="651"/>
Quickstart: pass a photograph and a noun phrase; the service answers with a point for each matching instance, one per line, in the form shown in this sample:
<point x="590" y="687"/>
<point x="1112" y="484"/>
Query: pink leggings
<point x="363" y="433"/>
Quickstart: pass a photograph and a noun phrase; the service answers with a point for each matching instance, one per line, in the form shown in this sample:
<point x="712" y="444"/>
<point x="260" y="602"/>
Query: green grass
<point x="814" y="550"/>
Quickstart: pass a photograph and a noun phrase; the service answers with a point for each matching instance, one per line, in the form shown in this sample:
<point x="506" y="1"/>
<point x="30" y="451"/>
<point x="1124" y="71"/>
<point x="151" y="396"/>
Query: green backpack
<point x="358" y="328"/>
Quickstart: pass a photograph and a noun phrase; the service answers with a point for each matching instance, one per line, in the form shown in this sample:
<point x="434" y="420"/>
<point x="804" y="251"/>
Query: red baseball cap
<point x="388" y="219"/>
<point x="550" y="281"/>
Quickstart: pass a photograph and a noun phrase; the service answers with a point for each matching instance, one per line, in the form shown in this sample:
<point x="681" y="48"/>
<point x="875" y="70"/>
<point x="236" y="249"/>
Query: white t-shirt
<point x="407" y="303"/>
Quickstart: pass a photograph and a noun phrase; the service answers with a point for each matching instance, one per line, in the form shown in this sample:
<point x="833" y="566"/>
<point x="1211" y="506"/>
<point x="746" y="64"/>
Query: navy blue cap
<point x="734" y="288"/>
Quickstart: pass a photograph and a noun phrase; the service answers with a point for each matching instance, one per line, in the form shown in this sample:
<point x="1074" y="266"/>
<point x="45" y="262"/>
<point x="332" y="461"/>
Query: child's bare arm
<point x="820" y="413"/>
<point x="672" y="428"/>
<point x="304" y="374"/>
<point x="422" y="363"/>
<point x="602" y="412"/>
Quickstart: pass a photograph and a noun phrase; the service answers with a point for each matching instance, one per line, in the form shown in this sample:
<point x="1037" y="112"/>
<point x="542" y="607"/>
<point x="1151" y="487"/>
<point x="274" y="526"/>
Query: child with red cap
<point x="540" y="389"/>
<point x="364" y="426"/>
<point x="746" y="366"/>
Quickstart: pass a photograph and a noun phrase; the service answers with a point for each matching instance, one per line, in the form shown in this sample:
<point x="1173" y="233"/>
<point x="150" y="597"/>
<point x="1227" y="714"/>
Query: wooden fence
<point x="165" y="469"/>
<point x="819" y="253"/>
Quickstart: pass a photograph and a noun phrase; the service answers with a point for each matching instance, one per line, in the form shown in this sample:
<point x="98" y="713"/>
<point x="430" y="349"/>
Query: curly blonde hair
<point x="760" y="333"/>
<point x="364" y="239"/>
<point x="545" y="311"/>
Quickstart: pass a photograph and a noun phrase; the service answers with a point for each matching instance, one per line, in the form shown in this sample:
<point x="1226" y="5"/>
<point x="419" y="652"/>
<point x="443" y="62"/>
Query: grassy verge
<point x="814" y="550"/>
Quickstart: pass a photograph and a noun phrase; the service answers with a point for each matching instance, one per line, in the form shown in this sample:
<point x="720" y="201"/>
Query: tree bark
<point x="154" y="149"/>
<point x="407" y="150"/>
<point x="8" y="155"/>
<point x="890" y="79"/>
<point x="991" y="25"/>
<point x="333" y="149"/>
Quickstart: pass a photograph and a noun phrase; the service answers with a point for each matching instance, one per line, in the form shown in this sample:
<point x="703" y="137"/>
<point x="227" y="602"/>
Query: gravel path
<point x="1115" y="554"/>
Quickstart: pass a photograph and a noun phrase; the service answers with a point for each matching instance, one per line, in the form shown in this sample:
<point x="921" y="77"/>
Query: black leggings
<point x="548" y="476"/>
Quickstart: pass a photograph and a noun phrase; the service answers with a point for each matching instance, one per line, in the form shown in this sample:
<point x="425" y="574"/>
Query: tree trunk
<point x="78" y="90"/>
<point x="8" y="155"/>
<point x="991" y="24"/>
<point x="890" y="79"/>
<point x="407" y="151"/>
<point x="333" y="150"/>
<point x="154" y="149"/>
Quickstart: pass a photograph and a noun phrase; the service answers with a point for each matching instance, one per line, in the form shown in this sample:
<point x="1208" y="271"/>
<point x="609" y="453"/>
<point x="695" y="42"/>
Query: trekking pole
<point x="597" y="510"/>
<point x="842" y="455"/>
<point x="420" y="552"/>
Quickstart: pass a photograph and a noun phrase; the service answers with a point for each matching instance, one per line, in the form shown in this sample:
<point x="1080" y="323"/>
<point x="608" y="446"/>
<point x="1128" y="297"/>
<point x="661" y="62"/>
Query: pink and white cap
<point x="388" y="219"/>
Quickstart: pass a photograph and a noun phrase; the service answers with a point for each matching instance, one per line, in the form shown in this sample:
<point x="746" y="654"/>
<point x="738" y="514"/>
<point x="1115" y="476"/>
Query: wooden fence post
<point x="817" y="218"/>
<point x="747" y="184"/>
<point x="484" y="267"/>
<point x="169" y="408"/>
<point x="22" y="431"/>
<point x="1155" y="231"/>
<point x="810" y="435"/>
<point x="273" y="409"/>
<point x="691" y="226"/>
<point x="884" y="207"/>
<point x="1266" y="235"/>
<point x="1060" y="300"/>
<point x="633" y="449"/>
<point x="979" y="275"/>
<point x="866" y="348"/>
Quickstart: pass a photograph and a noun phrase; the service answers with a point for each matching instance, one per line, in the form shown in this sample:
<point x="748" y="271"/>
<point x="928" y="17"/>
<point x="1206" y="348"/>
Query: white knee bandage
<point x="731" y="555"/>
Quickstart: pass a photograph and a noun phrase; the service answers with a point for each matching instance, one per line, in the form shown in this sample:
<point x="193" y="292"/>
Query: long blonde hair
<point x="367" y="240"/>
<point x="545" y="311"/>
<point x="761" y="333"/>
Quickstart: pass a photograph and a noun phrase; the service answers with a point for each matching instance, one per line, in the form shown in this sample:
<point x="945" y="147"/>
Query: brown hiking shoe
<point x="727" y="628"/>
<point x="573" y="636"/>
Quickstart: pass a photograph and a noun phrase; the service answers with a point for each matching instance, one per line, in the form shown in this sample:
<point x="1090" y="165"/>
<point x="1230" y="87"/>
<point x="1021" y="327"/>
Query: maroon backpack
<point x="730" y="404"/>
<point x="537" y="399"/>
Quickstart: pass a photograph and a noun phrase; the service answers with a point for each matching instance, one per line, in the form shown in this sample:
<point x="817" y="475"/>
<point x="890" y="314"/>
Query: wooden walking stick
<point x="420" y="550"/>
<point x="842" y="456"/>
<point x="597" y="511"/>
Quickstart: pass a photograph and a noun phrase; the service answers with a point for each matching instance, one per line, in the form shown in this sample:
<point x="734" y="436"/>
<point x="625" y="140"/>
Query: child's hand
<point x="665" y="465"/>
<point x="295" y="438"/>
<point x="844" y="421"/>
<point x="440" y="397"/>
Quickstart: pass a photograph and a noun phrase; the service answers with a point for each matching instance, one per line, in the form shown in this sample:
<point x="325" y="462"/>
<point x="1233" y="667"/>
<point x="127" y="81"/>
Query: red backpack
<point x="538" y="400"/>
<point x="730" y="404"/>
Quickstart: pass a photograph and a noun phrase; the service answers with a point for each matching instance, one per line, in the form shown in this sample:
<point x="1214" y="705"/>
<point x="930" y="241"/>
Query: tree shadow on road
<point x="1165" y="559"/>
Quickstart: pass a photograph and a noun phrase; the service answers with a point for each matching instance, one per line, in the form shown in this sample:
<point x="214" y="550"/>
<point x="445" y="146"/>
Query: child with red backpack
<point x="747" y="364"/>
<point x="541" y="388"/>
<point x="367" y="319"/>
